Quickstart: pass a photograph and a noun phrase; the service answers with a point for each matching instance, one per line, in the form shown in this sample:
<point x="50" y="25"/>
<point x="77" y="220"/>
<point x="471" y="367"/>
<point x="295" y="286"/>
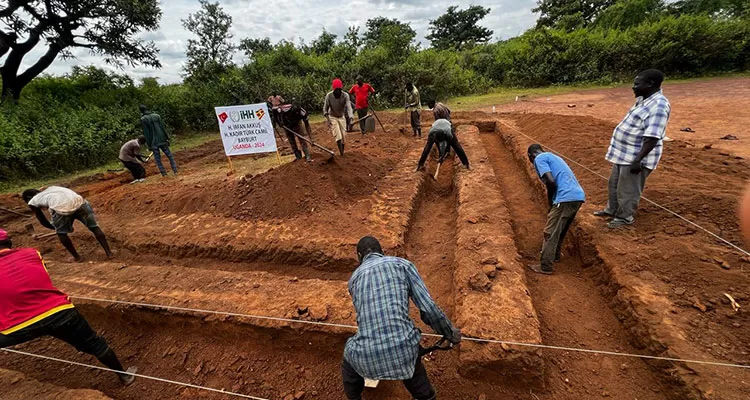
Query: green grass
<point x="181" y="142"/>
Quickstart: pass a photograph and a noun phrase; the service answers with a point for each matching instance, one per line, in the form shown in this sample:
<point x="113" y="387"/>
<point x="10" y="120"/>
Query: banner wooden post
<point x="278" y="156"/>
<point x="231" y="167"/>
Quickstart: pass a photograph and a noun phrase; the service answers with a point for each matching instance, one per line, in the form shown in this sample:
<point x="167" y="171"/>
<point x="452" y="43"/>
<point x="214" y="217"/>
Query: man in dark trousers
<point x="414" y="107"/>
<point x="442" y="134"/>
<point x="386" y="345"/>
<point x="564" y="196"/>
<point x="32" y="307"/>
<point x="130" y="154"/>
<point x="65" y="206"/>
<point x="636" y="148"/>
<point x="156" y="138"/>
<point x="361" y="92"/>
<point x="292" y="118"/>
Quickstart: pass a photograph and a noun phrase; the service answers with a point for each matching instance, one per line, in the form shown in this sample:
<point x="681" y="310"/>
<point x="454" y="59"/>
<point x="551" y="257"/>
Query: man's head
<point x="368" y="245"/>
<point x="29" y="194"/>
<point x="360" y="80"/>
<point x="337" y="86"/>
<point x="141" y="140"/>
<point x="143" y="108"/>
<point x="647" y="83"/>
<point x="5" y="242"/>
<point x="534" y="150"/>
<point x="409" y="86"/>
<point x="295" y="105"/>
<point x="431" y="103"/>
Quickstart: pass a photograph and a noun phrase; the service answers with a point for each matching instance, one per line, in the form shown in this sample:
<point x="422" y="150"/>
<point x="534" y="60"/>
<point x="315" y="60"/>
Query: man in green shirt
<point x="414" y="106"/>
<point x="156" y="138"/>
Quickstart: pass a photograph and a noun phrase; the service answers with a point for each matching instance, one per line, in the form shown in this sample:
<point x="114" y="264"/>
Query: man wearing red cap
<point x="32" y="307"/>
<point x="336" y="109"/>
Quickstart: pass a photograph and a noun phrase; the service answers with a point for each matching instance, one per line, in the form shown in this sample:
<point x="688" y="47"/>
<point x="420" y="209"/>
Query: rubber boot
<point x="308" y="157"/>
<point x="340" y="145"/>
<point x="110" y="360"/>
<point x="297" y="155"/>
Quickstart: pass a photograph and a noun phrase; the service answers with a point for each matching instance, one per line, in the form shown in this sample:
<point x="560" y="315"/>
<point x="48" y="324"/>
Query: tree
<point x="352" y="38"/>
<point x="458" y="29"/>
<point x="629" y="13"/>
<point x="324" y="43"/>
<point x="569" y="14"/>
<point x="108" y="28"/>
<point x="382" y="30"/>
<point x="731" y="8"/>
<point x="212" y="50"/>
<point x="255" y="47"/>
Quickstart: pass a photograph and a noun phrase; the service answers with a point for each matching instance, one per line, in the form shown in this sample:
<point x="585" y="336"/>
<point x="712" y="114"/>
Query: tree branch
<point x="41" y="64"/>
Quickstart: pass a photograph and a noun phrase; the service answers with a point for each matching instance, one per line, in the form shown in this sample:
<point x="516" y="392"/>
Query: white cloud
<point x="295" y="19"/>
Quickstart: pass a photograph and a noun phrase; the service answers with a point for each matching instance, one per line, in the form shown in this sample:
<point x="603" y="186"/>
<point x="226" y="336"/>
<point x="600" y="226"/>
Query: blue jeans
<point x="157" y="158"/>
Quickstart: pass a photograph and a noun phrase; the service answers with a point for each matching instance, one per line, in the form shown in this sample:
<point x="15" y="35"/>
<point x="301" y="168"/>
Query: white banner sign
<point x="246" y="129"/>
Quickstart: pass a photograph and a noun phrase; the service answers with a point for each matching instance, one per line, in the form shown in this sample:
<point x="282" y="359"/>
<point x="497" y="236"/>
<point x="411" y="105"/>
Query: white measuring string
<point x="740" y="249"/>
<point x="222" y="391"/>
<point x="478" y="340"/>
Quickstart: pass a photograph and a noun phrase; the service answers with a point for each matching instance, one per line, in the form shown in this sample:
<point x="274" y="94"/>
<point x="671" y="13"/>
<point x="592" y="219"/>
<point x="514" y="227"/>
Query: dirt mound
<point x="300" y="187"/>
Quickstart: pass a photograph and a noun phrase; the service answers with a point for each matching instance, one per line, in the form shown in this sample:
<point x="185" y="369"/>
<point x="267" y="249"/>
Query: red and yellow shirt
<point x="27" y="294"/>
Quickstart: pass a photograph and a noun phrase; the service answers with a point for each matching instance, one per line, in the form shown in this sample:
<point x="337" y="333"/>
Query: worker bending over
<point x="130" y="154"/>
<point x="65" y="206"/>
<point x="442" y="134"/>
<point x="336" y="108"/>
<point x="386" y="345"/>
<point x="564" y="196"/>
<point x="32" y="307"/>
<point x="292" y="118"/>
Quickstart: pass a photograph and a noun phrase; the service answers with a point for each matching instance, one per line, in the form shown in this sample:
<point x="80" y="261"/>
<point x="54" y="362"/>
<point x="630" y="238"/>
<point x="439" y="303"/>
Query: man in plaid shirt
<point x="386" y="346"/>
<point x="636" y="147"/>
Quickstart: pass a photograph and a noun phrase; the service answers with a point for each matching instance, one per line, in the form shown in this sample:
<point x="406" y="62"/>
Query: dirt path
<point x="570" y="307"/>
<point x="431" y="241"/>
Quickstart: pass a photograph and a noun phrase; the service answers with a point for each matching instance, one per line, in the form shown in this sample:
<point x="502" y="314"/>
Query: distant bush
<point x="684" y="46"/>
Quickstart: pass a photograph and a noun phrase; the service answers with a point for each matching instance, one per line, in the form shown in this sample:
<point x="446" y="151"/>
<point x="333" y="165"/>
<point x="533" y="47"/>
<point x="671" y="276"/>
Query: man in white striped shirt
<point x="636" y="148"/>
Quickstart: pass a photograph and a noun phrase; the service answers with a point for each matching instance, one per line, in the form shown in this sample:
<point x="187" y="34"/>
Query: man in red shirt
<point x="361" y="91"/>
<point x="31" y="307"/>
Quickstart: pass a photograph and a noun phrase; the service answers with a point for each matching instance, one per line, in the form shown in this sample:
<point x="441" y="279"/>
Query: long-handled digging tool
<point x="44" y="235"/>
<point x="309" y="141"/>
<point x="149" y="156"/>
<point x="437" y="170"/>
<point x="377" y="118"/>
<point x="14" y="212"/>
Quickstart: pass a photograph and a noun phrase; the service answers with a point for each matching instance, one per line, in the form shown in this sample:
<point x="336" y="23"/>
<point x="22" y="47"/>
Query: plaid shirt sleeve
<point x="430" y="313"/>
<point x="655" y="123"/>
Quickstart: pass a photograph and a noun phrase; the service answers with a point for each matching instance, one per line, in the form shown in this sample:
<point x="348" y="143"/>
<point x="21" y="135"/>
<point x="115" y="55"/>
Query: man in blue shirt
<point x="565" y="197"/>
<point x="386" y="346"/>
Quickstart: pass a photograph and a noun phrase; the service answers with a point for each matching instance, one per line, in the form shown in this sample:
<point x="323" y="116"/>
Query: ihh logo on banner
<point x="235" y="115"/>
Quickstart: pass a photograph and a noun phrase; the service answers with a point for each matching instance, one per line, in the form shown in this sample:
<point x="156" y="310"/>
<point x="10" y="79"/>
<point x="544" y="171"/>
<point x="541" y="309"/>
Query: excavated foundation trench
<point x="275" y="363"/>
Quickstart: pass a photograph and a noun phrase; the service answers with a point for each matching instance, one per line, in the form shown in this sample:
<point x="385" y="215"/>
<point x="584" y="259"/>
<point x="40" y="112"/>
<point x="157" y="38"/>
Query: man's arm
<point x="656" y="127"/>
<point x="41" y="217"/>
<point x="429" y="312"/>
<point x="349" y="110"/>
<point x="326" y="105"/>
<point x="549" y="182"/>
<point x="648" y="144"/>
<point x="163" y="128"/>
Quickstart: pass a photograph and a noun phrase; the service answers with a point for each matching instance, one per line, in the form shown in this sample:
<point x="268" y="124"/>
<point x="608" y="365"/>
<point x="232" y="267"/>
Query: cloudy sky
<point x="294" y="19"/>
